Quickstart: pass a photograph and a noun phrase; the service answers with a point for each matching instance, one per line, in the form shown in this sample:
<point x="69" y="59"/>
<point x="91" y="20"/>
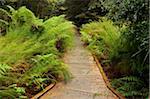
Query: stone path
<point x="87" y="82"/>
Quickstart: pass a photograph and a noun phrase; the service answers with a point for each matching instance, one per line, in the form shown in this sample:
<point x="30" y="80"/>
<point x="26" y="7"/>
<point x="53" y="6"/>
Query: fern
<point x="130" y="86"/>
<point x="32" y="54"/>
<point x="4" y="12"/>
<point x="102" y="37"/>
<point x="11" y="92"/>
<point x="4" y="68"/>
<point x="12" y="10"/>
<point x="3" y="22"/>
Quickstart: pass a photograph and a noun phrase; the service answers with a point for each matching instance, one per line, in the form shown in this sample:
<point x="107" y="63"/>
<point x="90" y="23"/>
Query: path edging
<point x="106" y="79"/>
<point x="40" y="94"/>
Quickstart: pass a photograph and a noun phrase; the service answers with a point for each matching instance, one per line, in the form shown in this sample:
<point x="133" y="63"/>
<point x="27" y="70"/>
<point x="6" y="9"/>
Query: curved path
<point x="87" y="82"/>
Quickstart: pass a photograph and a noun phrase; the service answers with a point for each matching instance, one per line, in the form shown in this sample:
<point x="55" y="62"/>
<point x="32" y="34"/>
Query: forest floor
<point x="87" y="82"/>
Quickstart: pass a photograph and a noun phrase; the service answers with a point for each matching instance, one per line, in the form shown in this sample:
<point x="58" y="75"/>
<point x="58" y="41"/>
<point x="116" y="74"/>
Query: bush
<point x="29" y="53"/>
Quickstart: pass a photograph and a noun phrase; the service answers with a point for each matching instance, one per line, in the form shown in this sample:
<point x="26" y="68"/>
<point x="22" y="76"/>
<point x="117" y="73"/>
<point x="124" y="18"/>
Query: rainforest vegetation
<point x="35" y="34"/>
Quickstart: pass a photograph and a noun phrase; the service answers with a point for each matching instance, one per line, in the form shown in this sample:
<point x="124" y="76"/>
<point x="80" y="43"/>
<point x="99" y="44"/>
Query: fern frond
<point x="11" y="9"/>
<point x="130" y="79"/>
<point x="4" y="22"/>
<point x="130" y="86"/>
<point x="4" y="68"/>
<point x="2" y="11"/>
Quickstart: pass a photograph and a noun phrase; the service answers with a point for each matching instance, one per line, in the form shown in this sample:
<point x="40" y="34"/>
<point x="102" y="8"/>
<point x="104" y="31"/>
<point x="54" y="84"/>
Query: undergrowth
<point x="106" y="41"/>
<point x="130" y="86"/>
<point x="30" y="53"/>
<point x="102" y="37"/>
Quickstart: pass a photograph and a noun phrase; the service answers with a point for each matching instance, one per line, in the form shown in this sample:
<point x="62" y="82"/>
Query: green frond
<point x="33" y="55"/>
<point x="130" y="86"/>
<point x="101" y="37"/>
<point x="4" y="12"/>
<point x="3" y="22"/>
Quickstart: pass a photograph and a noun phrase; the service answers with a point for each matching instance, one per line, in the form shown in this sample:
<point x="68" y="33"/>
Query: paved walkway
<point x="87" y="82"/>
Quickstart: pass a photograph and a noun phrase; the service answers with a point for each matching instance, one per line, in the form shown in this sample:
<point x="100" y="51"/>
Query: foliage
<point x="4" y="68"/>
<point x="130" y="86"/>
<point x="102" y="37"/>
<point x="4" y="15"/>
<point x="26" y="42"/>
<point x="81" y="11"/>
<point x="5" y="18"/>
<point x="29" y="53"/>
<point x="127" y="10"/>
<point x="108" y="42"/>
<point x="133" y="13"/>
<point x="41" y="8"/>
<point x="12" y="91"/>
<point x="2" y="2"/>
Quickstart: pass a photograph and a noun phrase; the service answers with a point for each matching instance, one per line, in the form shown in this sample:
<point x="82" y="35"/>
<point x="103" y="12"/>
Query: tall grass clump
<point x="30" y="53"/>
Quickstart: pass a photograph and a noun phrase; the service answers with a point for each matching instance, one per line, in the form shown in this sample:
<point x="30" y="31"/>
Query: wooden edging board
<point x="40" y="94"/>
<point x="106" y="79"/>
